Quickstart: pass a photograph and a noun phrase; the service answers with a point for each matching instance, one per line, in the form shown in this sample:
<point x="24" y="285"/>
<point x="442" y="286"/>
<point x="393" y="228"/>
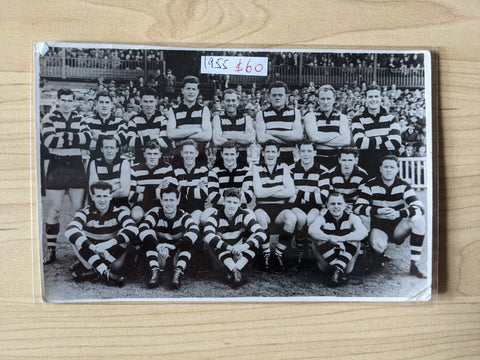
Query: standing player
<point x="147" y="179"/>
<point x="65" y="134"/>
<point x="395" y="213"/>
<point x="233" y="126"/>
<point x="273" y="186"/>
<point x="112" y="169"/>
<point x="375" y="132"/>
<point x="146" y="126"/>
<point x="100" y="235"/>
<point x="327" y="128"/>
<point x="279" y="123"/>
<point x="105" y="123"/>
<point x="306" y="203"/>
<point x="168" y="232"/>
<point x="337" y="236"/>
<point x="234" y="235"/>
<point x="192" y="181"/>
<point x="189" y="120"/>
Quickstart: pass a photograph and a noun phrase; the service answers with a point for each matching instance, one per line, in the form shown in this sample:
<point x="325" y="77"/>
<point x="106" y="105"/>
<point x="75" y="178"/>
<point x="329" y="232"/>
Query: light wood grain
<point x="447" y="328"/>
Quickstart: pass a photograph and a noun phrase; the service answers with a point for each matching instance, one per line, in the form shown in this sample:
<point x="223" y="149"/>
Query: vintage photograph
<point x="173" y="174"/>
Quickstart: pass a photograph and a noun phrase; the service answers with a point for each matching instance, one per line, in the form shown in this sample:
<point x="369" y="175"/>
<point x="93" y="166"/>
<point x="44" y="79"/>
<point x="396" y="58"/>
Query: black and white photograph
<point x="198" y="174"/>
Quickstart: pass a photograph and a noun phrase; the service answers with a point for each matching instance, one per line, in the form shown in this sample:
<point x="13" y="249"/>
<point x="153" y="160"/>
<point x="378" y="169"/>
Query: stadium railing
<point x="414" y="171"/>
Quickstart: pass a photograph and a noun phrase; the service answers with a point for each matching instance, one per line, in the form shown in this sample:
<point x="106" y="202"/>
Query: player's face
<point x="101" y="199"/>
<point x="231" y="205"/>
<point x="149" y="104"/>
<point x="278" y="97"/>
<point x="326" y="100"/>
<point x="104" y="106"/>
<point x="347" y="162"/>
<point x="336" y="205"/>
<point x="231" y="103"/>
<point x="109" y="149"/>
<point x="189" y="155"/>
<point x="307" y="154"/>
<point x="389" y="169"/>
<point x="152" y="157"/>
<point x="230" y="157"/>
<point x="270" y="155"/>
<point x="169" y="203"/>
<point x="65" y="104"/>
<point x="374" y="99"/>
<point x="190" y="92"/>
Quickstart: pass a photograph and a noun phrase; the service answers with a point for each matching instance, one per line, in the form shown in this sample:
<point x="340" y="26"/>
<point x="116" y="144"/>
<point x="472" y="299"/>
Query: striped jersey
<point x="146" y="181"/>
<point x="280" y="120"/>
<point x="220" y="178"/>
<point x="111" y="126"/>
<point x="219" y="231"/>
<point x="236" y="123"/>
<point x="109" y="172"/>
<point x="400" y="196"/>
<point x="65" y="137"/>
<point x="191" y="196"/>
<point x="270" y="180"/>
<point x="90" y="226"/>
<point x="189" y="118"/>
<point x="329" y="124"/>
<point x="308" y="183"/>
<point x="142" y="129"/>
<point x="350" y="188"/>
<point x="168" y="231"/>
<point x="340" y="227"/>
<point x="380" y="132"/>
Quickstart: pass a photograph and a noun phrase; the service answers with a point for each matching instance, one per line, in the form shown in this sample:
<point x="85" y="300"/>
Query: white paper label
<point x="235" y="65"/>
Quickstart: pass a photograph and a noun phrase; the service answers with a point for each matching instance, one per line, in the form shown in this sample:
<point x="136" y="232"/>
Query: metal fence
<point x="414" y="171"/>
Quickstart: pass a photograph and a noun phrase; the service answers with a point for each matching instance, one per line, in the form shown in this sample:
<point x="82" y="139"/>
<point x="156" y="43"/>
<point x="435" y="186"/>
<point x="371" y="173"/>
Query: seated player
<point x="234" y="235"/>
<point x="306" y="203"/>
<point x="147" y="179"/>
<point x="229" y="175"/>
<point x="168" y="232"/>
<point x="112" y="169"/>
<point x="347" y="178"/>
<point x="100" y="235"/>
<point x="192" y="181"/>
<point x="336" y="238"/>
<point x="395" y="212"/>
<point x="273" y="186"/>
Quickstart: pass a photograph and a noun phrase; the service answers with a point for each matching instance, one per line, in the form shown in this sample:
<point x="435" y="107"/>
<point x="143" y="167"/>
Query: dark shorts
<point x="146" y="206"/>
<point x="272" y="210"/>
<point x="306" y="207"/>
<point x="65" y="173"/>
<point x="387" y="226"/>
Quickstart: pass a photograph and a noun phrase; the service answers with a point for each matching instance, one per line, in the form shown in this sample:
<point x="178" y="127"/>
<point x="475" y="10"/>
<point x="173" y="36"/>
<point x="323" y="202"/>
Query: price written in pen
<point x="234" y="65"/>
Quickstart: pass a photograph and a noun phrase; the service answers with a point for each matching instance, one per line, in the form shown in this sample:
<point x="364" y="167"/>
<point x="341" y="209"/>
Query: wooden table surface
<point x="446" y="328"/>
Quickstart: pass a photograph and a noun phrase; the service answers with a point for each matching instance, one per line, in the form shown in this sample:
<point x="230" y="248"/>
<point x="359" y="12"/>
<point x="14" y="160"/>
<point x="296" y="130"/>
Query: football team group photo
<point x="157" y="180"/>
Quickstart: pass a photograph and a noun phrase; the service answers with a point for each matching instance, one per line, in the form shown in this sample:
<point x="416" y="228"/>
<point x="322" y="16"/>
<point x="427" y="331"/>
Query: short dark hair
<point x="147" y="91"/>
<point x="271" y="143"/>
<point x="348" y="150"/>
<point x="306" y="142"/>
<point x="335" y="193"/>
<point x="65" y="91"/>
<point x="232" y="192"/>
<point x="230" y="145"/>
<point x="152" y="144"/>
<point x="373" y="87"/>
<point x="109" y="137"/>
<point x="171" y="188"/>
<point x="101" y="185"/>
<point x="190" y="79"/>
<point x="103" y="94"/>
<point x="390" y="157"/>
<point x="278" y="84"/>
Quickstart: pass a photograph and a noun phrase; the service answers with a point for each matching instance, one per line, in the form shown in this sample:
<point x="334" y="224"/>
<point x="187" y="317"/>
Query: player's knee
<point x="262" y="219"/>
<point x="312" y="215"/>
<point x="289" y="221"/>
<point x="418" y="224"/>
<point x="137" y="214"/>
<point x="301" y="219"/>
<point x="378" y="243"/>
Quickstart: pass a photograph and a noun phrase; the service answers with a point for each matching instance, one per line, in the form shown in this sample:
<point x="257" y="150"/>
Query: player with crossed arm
<point x="168" y="232"/>
<point x="100" y="235"/>
<point x="336" y="235"/>
<point x="395" y="212"/>
<point x="65" y="134"/>
<point x="273" y="186"/>
<point x="280" y="123"/>
<point x="327" y="128"/>
<point x="234" y="235"/>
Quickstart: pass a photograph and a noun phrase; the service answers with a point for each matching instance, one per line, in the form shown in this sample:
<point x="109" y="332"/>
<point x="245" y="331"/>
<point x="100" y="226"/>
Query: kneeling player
<point x="226" y="232"/>
<point x="395" y="213"/>
<point x="273" y="186"/>
<point x="337" y="236"/>
<point x="168" y="232"/>
<point x="100" y="235"/>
